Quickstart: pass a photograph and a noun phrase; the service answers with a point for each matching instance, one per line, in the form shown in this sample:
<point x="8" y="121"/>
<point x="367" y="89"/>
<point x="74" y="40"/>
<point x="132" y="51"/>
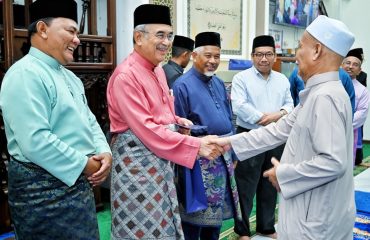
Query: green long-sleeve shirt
<point x="46" y="117"/>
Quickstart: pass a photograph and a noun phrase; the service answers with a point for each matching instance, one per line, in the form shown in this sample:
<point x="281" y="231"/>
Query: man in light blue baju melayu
<point x="58" y="150"/>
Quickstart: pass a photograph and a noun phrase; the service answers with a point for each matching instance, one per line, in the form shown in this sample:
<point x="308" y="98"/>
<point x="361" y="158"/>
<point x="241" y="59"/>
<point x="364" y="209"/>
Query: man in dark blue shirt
<point x="182" y="47"/>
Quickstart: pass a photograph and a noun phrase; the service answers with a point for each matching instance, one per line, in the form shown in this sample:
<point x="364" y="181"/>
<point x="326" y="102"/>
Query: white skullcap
<point x="332" y="33"/>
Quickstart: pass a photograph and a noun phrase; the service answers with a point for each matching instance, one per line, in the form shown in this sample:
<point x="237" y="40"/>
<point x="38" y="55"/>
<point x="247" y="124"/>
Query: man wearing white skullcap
<point x="314" y="175"/>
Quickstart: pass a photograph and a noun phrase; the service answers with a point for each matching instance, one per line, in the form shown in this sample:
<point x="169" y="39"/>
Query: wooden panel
<point x="8" y="32"/>
<point x="277" y="64"/>
<point x="92" y="18"/>
<point x="111" y="6"/>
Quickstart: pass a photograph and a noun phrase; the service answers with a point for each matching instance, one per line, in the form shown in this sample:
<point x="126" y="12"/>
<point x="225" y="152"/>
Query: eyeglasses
<point x="162" y="36"/>
<point x="260" y="55"/>
<point x="353" y="64"/>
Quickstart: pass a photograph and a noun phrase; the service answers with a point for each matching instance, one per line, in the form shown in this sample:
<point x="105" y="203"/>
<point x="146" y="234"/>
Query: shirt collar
<point x="321" y="78"/>
<point x="175" y="65"/>
<point x="143" y="61"/>
<point x="316" y="80"/>
<point x="45" y="58"/>
<point x="199" y="75"/>
<point x="259" y="74"/>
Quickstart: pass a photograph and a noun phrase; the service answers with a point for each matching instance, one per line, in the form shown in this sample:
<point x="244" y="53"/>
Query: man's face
<point x="304" y="54"/>
<point x="155" y="42"/>
<point x="206" y="60"/>
<point x="263" y="59"/>
<point x="61" y="39"/>
<point x="352" y="65"/>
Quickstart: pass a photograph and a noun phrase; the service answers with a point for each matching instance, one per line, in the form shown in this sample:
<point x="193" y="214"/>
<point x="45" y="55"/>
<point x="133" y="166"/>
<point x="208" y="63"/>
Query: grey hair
<point x="139" y="28"/>
<point x="198" y="49"/>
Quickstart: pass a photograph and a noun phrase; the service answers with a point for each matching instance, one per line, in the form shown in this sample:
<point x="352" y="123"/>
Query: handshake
<point x="212" y="146"/>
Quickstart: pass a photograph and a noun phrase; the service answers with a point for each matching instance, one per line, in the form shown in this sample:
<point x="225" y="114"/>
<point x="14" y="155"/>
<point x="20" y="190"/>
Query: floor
<point x="362" y="181"/>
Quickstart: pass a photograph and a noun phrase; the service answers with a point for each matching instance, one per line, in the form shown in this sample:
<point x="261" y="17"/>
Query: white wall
<point x="125" y="25"/>
<point x="355" y="14"/>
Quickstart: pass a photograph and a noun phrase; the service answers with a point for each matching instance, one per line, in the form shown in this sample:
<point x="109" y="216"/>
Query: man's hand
<point x="223" y="142"/>
<point x="271" y="174"/>
<point x="185" y="122"/>
<point x="98" y="177"/>
<point x="91" y="167"/>
<point x="209" y="149"/>
<point x="268" y="118"/>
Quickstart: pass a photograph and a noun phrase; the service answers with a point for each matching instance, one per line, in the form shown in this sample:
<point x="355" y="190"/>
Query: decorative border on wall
<point x="224" y="17"/>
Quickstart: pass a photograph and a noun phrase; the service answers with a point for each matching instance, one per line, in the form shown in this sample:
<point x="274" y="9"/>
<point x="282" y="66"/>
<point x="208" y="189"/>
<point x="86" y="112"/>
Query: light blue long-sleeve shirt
<point x="252" y="95"/>
<point x="46" y="117"/>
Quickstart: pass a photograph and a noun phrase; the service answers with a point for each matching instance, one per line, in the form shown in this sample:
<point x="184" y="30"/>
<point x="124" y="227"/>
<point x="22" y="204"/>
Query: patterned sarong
<point x="221" y="191"/>
<point x="143" y="196"/>
<point x="43" y="207"/>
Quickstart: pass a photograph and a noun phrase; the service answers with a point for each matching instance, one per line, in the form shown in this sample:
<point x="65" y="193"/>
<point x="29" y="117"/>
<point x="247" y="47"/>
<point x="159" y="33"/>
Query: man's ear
<point x="194" y="55"/>
<point x="185" y="54"/>
<point x="318" y="51"/>
<point x="138" y="38"/>
<point x="42" y="29"/>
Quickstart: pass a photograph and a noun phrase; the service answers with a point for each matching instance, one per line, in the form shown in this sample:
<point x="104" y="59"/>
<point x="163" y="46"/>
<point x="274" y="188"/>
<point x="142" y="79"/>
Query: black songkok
<point x="152" y="14"/>
<point x="183" y="42"/>
<point x="208" y="38"/>
<point x="263" y="41"/>
<point x="53" y="8"/>
<point x="356" y="52"/>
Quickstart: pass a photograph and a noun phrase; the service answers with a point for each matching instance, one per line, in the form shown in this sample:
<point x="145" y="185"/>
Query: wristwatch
<point x="282" y="112"/>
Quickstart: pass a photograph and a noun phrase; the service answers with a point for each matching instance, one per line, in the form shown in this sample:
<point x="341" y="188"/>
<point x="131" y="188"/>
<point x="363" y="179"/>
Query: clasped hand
<point x="211" y="147"/>
<point x="268" y="118"/>
<point x="98" y="167"/>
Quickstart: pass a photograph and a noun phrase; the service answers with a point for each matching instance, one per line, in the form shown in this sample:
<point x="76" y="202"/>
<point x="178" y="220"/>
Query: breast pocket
<point x="297" y="141"/>
<point x="293" y="139"/>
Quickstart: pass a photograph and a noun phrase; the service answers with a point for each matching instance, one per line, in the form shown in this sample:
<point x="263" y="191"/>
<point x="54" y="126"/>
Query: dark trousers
<point x="250" y="182"/>
<point x="359" y="151"/>
<point x="359" y="156"/>
<point x="193" y="232"/>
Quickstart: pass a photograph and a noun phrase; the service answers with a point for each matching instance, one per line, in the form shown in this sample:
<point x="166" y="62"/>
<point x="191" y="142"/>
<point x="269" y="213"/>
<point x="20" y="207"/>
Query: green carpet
<point x="104" y="222"/>
<point x="227" y="232"/>
<point x="359" y="169"/>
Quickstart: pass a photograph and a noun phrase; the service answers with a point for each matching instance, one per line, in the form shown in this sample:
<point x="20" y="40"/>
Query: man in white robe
<point x="315" y="173"/>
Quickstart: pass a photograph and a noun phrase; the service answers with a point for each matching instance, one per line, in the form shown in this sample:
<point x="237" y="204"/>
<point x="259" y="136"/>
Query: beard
<point x="209" y="73"/>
